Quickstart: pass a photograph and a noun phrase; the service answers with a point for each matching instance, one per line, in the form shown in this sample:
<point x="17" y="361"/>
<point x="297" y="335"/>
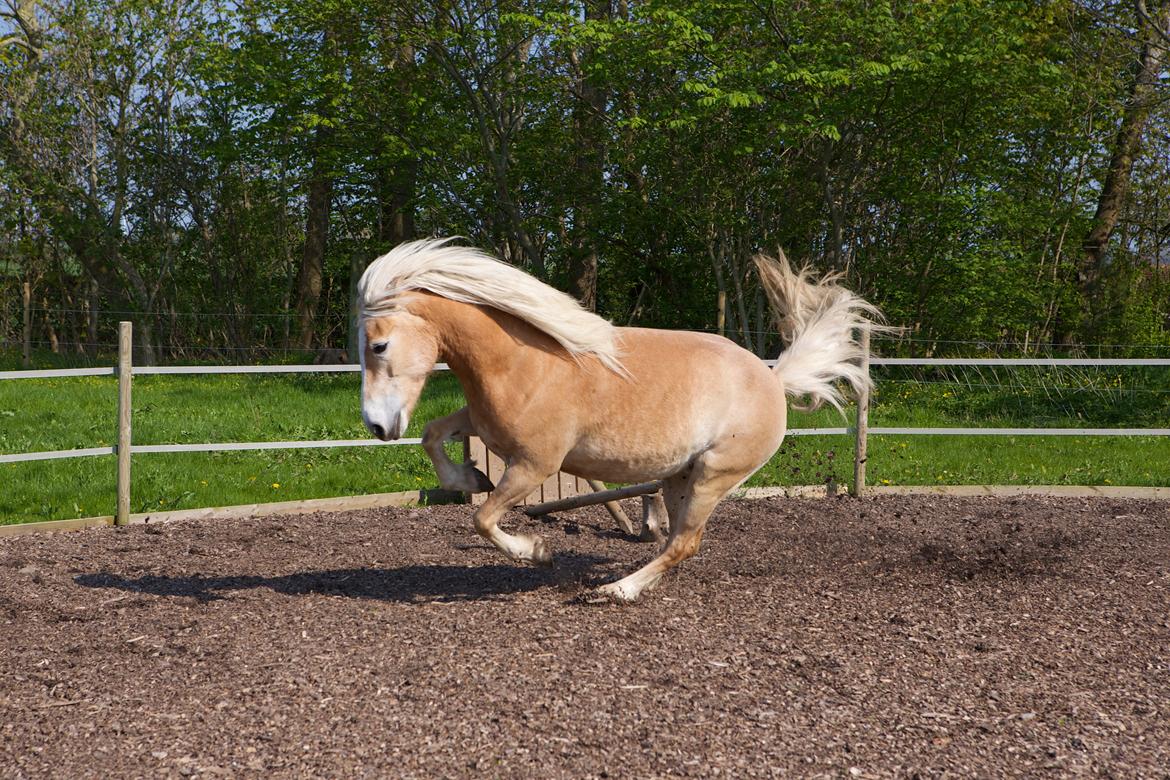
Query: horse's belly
<point x="595" y="460"/>
<point x="609" y="458"/>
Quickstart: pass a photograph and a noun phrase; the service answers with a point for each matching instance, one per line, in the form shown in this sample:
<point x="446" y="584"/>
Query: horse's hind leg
<point x="453" y="476"/>
<point x="519" y="480"/>
<point x="655" y="518"/>
<point x="690" y="497"/>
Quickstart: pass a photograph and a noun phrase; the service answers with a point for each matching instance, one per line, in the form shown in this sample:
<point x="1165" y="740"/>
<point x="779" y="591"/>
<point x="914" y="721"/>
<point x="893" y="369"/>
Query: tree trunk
<point x="50" y="330"/>
<point x="26" y="336"/>
<point x="396" y="202"/>
<point x="313" y="258"/>
<point x="144" y="351"/>
<point x="317" y="211"/>
<point x="91" y="316"/>
<point x="397" y="180"/>
<point x="356" y="266"/>
<point x="835" y="239"/>
<point x="1141" y="98"/>
<point x="589" y="162"/>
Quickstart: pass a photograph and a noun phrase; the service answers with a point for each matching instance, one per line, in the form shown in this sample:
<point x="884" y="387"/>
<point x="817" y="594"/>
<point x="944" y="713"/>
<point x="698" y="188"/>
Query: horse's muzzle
<point x="387" y="429"/>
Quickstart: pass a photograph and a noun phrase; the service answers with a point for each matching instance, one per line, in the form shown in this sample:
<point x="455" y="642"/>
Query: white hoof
<point x="528" y="549"/>
<point x="540" y="554"/>
<point x="629" y="588"/>
<point x="651" y="533"/>
<point x="620" y="591"/>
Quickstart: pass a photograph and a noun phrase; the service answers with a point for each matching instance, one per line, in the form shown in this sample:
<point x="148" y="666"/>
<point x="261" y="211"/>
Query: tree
<point x="79" y="107"/>
<point x="1143" y="92"/>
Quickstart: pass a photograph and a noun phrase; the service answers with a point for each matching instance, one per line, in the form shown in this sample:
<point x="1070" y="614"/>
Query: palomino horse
<point x="551" y="386"/>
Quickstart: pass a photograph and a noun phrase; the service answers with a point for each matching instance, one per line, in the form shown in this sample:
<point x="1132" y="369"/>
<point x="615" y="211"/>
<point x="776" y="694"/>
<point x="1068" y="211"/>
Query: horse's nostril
<point x="378" y="430"/>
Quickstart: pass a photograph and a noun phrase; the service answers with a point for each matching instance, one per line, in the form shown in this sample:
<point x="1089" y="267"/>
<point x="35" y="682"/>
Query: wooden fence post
<point x="861" y="431"/>
<point x="125" y="363"/>
<point x="26" y="352"/>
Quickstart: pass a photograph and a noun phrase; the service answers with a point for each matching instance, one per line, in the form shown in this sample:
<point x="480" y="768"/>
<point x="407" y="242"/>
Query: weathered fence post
<point x="589" y="499"/>
<point x="26" y="351"/>
<point x="125" y="363"/>
<point x="862" y="429"/>
<point x="613" y="507"/>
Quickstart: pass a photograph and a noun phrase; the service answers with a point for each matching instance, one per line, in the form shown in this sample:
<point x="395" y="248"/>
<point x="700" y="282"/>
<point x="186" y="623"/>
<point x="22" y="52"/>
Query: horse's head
<point x="398" y="350"/>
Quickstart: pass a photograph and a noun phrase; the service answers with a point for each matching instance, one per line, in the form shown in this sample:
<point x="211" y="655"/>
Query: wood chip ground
<point x="898" y="636"/>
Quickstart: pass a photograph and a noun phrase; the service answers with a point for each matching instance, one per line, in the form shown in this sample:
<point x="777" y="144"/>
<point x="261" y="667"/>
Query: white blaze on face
<point x="383" y="408"/>
<point x="394" y="370"/>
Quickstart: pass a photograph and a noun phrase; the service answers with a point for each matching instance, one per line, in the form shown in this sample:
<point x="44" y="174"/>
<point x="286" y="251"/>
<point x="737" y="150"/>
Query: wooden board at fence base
<point x="559" y="485"/>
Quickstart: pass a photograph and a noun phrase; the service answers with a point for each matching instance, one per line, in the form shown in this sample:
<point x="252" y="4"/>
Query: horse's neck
<point x="481" y="344"/>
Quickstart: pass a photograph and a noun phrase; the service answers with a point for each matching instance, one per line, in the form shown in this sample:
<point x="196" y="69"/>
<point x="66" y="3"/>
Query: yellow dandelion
<point x="275" y="484"/>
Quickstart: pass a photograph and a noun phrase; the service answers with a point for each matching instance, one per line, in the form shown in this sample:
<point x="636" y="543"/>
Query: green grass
<point x="50" y="414"/>
<point x="69" y="413"/>
<point x="993" y="398"/>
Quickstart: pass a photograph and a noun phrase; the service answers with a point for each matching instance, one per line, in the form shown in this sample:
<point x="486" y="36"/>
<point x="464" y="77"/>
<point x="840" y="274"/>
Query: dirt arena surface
<point x="817" y="638"/>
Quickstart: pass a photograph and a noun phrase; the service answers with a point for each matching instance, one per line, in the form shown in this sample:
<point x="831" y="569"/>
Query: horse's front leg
<point x="519" y="480"/>
<point x="453" y="476"/>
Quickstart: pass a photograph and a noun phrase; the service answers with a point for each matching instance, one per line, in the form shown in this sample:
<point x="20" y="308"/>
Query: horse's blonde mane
<point x="468" y="275"/>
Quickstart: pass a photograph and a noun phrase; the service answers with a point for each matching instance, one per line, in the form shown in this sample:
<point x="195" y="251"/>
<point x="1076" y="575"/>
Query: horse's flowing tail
<point x="818" y="319"/>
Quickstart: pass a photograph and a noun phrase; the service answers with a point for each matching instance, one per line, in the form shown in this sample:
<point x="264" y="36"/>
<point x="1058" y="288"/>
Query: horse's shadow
<point x="406" y="584"/>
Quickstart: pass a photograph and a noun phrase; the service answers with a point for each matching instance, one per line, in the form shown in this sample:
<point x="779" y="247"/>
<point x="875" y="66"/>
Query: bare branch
<point x="24" y="14"/>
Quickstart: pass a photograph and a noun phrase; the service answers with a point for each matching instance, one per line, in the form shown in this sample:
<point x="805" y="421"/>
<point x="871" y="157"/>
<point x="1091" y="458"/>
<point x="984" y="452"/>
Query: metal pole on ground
<point x="862" y="429"/>
<point x="125" y="363"/>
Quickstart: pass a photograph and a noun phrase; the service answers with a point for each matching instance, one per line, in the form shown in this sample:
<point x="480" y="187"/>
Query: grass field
<point x="51" y="414"/>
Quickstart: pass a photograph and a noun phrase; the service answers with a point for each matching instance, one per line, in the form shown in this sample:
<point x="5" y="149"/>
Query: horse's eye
<point x="379" y="348"/>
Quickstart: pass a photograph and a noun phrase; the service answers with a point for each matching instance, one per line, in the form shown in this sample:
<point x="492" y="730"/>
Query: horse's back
<point x="704" y="362"/>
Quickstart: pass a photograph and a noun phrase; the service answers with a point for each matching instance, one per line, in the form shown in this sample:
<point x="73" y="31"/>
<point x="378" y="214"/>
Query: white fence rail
<point x="861" y="431"/>
<point x="57" y="454"/>
<point x="55" y="372"/>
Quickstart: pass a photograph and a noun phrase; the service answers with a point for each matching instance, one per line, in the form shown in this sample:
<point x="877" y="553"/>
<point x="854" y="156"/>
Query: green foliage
<point x="946" y="157"/>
